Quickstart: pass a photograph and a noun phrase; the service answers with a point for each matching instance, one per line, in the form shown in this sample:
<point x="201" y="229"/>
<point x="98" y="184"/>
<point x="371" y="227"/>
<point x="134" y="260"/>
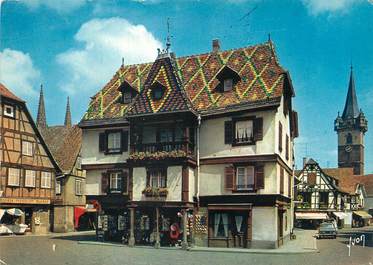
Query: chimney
<point x="304" y="161"/>
<point x="215" y="45"/>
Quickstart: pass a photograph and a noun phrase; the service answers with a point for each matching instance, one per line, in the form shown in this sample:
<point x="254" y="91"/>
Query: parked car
<point x="327" y="230"/>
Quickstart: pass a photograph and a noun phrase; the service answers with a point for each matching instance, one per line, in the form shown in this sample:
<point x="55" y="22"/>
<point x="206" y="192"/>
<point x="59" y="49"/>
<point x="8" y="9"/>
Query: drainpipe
<point x="198" y="164"/>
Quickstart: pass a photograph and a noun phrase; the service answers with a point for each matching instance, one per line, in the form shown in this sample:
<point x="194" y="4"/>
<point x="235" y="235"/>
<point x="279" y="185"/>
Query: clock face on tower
<point x="348" y="148"/>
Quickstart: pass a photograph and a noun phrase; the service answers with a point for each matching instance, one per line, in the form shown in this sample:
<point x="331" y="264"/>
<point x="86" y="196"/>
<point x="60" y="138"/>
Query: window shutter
<point x="229" y="178"/>
<point x="228" y="132"/>
<point x="287" y="147"/>
<point x="124" y="176"/>
<point x="258" y="129"/>
<point x="124" y="141"/>
<point x="259" y="177"/>
<point x="280" y="137"/>
<point x="102" y="145"/>
<point x="104" y="182"/>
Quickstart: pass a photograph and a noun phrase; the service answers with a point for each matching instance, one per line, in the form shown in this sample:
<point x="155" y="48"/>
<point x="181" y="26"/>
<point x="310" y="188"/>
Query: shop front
<point x="229" y="228"/>
<point x="360" y="218"/>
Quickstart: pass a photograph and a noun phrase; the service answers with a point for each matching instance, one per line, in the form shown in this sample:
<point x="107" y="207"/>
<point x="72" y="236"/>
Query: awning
<point x="311" y="216"/>
<point x="78" y="211"/>
<point x="363" y="214"/>
<point x="340" y="215"/>
<point x="14" y="211"/>
<point x="2" y="212"/>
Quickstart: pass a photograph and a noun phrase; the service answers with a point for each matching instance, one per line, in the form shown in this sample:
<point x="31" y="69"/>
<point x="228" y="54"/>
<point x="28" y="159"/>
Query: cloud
<point x="105" y="42"/>
<point x="64" y="6"/>
<point x="317" y="7"/>
<point x="18" y="73"/>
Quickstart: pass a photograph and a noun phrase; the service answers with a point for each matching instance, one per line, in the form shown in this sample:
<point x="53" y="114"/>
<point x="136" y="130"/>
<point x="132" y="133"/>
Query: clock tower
<point x="351" y="127"/>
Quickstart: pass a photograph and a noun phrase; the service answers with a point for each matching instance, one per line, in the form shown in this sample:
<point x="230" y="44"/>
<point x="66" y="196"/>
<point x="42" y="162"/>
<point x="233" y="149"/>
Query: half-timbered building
<point x="324" y="194"/>
<point x="204" y="139"/>
<point x="27" y="176"/>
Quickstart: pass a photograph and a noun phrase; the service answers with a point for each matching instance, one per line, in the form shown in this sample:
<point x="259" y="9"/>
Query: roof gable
<point x="5" y="92"/>
<point x="162" y="77"/>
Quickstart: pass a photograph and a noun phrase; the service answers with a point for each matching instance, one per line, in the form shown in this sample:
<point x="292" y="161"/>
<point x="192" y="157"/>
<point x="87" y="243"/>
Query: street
<point x="37" y="250"/>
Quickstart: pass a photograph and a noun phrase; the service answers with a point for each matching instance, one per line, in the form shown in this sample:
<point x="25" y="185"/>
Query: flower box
<point x="155" y="192"/>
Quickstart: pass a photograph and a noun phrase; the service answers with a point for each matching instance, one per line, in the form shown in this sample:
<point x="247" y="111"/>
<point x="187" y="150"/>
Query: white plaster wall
<point x="212" y="180"/>
<point x="90" y="149"/>
<point x="191" y="184"/>
<point x="93" y="182"/>
<point x="285" y="121"/>
<point x="264" y="223"/>
<point x="173" y="183"/>
<point x="212" y="138"/>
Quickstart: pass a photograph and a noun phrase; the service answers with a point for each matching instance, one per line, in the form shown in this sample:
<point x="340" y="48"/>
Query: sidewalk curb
<point x="254" y="251"/>
<point x="216" y="250"/>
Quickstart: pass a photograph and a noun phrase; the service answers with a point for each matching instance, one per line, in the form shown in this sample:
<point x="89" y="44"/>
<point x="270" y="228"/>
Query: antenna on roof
<point x="168" y="40"/>
<point x="122" y="61"/>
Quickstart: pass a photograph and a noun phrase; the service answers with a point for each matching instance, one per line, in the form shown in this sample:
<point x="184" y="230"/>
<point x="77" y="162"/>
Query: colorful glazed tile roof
<point x="262" y="79"/>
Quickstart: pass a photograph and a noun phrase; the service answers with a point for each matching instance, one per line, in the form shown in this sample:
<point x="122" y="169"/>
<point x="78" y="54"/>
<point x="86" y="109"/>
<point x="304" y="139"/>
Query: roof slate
<point x="262" y="78"/>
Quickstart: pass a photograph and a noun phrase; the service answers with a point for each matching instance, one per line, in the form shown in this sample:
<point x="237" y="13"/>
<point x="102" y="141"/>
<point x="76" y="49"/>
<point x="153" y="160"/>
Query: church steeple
<point x="41" y="120"/>
<point x="351" y="107"/>
<point x="68" y="114"/>
<point x="351" y="127"/>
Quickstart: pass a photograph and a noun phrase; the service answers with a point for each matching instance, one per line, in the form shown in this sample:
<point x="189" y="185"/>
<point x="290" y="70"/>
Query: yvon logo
<point x="356" y="240"/>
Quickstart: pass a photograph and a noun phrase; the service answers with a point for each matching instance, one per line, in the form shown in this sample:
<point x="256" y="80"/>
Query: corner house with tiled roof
<point x="64" y="142"/>
<point x="27" y="170"/>
<point x="201" y="144"/>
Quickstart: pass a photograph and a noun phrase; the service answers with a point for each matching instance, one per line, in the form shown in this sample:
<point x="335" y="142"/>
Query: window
<point x="78" y="187"/>
<point x="30" y="178"/>
<point x="116" y="182"/>
<point x="9" y="111"/>
<point x="27" y="148"/>
<point x="114" y="142"/>
<point x="157" y="178"/>
<point x="306" y="198"/>
<point x="46" y="179"/>
<point x="58" y="187"/>
<point x="324" y="200"/>
<point x="282" y="173"/>
<point x="126" y="97"/>
<point x="157" y="90"/>
<point x="220" y="225"/>
<point x="244" y="131"/>
<point x="13" y="176"/>
<point x="245" y="178"/>
<point x="228" y="84"/>
<point x="349" y="138"/>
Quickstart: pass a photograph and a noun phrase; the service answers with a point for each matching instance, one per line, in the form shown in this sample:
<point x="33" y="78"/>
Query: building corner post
<point x="157" y="238"/>
<point x="131" y="241"/>
<point x="184" y="244"/>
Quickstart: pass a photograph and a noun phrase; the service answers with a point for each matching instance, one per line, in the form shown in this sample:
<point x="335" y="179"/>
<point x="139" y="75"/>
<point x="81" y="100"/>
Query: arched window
<point x="349" y="138"/>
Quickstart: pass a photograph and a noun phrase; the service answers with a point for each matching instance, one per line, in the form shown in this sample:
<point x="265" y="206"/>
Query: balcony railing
<point x="163" y="147"/>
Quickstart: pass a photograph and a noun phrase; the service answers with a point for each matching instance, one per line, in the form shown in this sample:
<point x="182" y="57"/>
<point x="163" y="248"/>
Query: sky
<point x="74" y="47"/>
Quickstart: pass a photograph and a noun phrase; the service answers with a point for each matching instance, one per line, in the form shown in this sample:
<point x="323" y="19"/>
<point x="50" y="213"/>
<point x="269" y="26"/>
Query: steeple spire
<point x="41" y="120"/>
<point x="68" y="114"/>
<point x="351" y="107"/>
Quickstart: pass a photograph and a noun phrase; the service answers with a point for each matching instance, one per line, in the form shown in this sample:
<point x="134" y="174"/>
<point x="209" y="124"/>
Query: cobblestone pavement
<point x="38" y="250"/>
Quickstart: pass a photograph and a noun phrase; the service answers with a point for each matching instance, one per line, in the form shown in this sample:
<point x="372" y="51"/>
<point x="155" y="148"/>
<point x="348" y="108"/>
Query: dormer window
<point x="126" y="97"/>
<point x="127" y="93"/>
<point x="157" y="90"/>
<point x="228" y="84"/>
<point x="227" y="79"/>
